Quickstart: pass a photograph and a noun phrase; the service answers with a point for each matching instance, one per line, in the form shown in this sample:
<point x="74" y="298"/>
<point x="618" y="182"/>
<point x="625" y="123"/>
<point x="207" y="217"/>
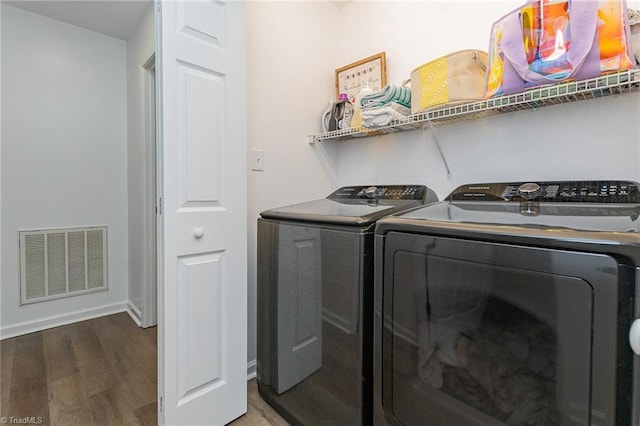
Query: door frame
<point x="149" y="315"/>
<point x="159" y="222"/>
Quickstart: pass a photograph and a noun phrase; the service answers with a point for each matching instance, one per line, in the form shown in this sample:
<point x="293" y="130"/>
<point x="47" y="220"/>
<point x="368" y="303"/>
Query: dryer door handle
<point x="634" y="336"/>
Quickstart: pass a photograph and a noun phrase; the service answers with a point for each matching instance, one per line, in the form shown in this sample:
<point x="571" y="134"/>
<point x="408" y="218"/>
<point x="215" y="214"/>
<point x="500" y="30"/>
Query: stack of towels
<point x="379" y="109"/>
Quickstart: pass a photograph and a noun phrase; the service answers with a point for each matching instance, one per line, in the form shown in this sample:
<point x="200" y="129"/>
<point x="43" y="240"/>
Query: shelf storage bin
<point x="455" y="78"/>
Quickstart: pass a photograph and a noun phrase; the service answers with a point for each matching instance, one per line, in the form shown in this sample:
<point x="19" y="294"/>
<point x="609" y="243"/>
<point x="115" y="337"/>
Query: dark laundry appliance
<point x="510" y="304"/>
<point x="315" y="295"/>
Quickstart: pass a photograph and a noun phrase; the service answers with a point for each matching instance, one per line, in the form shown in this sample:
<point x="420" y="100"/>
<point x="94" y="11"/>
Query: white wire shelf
<point x="605" y="85"/>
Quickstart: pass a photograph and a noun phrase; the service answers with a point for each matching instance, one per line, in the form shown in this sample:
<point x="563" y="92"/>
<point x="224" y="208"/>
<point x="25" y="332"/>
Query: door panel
<point x="199" y="350"/>
<point x="202" y="271"/>
<point x="203" y="20"/>
<point x="299" y="305"/>
<point x="200" y="132"/>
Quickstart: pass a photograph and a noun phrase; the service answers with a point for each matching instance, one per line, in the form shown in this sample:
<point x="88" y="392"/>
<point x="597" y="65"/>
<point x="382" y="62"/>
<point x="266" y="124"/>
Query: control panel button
<point x="529" y="191"/>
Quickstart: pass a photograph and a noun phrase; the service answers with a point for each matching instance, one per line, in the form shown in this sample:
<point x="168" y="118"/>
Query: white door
<point x="201" y="73"/>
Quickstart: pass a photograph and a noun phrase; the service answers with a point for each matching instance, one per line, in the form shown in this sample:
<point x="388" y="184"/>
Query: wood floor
<point x="259" y="413"/>
<point x="97" y="372"/>
<point x="101" y="371"/>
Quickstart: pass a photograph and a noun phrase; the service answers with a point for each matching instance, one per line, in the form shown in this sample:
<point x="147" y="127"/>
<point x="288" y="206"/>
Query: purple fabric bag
<point x="582" y="56"/>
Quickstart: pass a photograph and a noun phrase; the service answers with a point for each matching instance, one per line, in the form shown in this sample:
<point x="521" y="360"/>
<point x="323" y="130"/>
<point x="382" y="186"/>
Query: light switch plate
<point x="257" y="159"/>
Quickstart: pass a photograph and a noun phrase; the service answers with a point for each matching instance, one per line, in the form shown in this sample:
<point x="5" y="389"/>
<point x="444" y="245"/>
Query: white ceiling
<point x="114" y="18"/>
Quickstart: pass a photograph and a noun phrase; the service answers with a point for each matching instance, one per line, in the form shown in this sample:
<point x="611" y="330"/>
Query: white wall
<point x="289" y="45"/>
<point x="140" y="48"/>
<point x="291" y="77"/>
<point x="572" y="141"/>
<point x="64" y="158"/>
<point x="577" y="141"/>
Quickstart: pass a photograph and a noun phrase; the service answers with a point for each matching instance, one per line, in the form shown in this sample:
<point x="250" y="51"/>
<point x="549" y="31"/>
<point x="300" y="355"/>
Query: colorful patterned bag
<point x="550" y="41"/>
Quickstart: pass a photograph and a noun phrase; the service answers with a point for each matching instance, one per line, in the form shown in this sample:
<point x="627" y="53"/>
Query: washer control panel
<point x="380" y="192"/>
<point x="614" y="191"/>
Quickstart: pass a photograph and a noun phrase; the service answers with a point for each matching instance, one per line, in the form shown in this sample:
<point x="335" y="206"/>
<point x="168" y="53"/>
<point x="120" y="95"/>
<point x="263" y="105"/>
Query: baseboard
<point x="134" y="313"/>
<point x="251" y="370"/>
<point x="63" y="319"/>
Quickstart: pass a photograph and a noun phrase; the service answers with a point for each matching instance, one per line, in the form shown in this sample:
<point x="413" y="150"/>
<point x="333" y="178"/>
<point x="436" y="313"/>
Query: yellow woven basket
<point x="454" y="78"/>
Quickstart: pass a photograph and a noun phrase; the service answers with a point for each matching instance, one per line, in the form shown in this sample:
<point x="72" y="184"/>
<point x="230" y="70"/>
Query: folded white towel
<point x="382" y="116"/>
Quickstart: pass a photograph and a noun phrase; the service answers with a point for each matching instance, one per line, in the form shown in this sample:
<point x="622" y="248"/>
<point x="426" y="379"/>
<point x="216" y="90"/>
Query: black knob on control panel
<point x="529" y="191"/>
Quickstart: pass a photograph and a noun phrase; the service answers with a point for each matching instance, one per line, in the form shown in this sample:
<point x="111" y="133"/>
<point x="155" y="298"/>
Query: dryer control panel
<point x="614" y="191"/>
<point x="380" y="192"/>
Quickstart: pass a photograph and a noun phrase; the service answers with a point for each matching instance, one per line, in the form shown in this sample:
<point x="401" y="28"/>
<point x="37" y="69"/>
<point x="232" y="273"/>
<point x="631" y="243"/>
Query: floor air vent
<point x="58" y="263"/>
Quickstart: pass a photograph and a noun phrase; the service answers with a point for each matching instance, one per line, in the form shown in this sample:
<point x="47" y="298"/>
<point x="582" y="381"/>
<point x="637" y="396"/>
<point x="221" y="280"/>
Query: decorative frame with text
<point x="351" y="78"/>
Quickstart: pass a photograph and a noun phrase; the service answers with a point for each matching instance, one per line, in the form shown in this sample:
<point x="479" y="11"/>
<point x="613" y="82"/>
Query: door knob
<point x="634" y="336"/>
<point x="198" y="232"/>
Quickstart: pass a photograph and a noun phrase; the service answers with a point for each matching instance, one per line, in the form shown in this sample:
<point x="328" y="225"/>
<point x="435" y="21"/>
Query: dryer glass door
<point x="489" y="334"/>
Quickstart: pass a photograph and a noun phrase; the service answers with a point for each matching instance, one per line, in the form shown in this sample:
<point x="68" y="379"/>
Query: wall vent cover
<point x="57" y="263"/>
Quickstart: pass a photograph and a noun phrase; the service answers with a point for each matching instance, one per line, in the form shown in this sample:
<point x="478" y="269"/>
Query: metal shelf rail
<point x="605" y="85"/>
